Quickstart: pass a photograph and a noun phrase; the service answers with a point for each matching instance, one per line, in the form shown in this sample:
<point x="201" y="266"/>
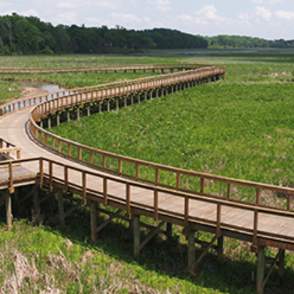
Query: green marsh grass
<point x="240" y="127"/>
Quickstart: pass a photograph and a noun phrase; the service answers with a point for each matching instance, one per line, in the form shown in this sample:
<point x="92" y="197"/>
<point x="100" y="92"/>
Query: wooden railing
<point x="103" y="69"/>
<point x="32" y="101"/>
<point x="52" y="173"/>
<point x="10" y="150"/>
<point x="238" y="191"/>
<point x="119" y="89"/>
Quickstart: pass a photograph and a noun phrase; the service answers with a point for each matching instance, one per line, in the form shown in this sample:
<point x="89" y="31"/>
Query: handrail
<point x="8" y="148"/>
<point x="111" y="68"/>
<point x="21" y="103"/>
<point x="76" y="151"/>
<point x="185" y="216"/>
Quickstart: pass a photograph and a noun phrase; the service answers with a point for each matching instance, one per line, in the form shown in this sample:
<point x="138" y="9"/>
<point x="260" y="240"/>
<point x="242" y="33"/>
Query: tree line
<point x="30" y="35"/>
<point x="227" y="41"/>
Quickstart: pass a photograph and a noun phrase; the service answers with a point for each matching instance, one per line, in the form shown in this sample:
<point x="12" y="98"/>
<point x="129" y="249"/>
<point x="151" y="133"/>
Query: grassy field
<point x="241" y="127"/>
<point x="43" y="259"/>
<point x="8" y="90"/>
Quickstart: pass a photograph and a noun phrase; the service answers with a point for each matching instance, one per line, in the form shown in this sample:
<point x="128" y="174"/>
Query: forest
<point x="30" y="35"/>
<point x="227" y="41"/>
<point x="20" y="35"/>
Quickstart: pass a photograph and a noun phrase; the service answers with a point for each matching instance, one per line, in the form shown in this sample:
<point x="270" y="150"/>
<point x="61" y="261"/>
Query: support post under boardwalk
<point x="78" y="114"/>
<point x="61" y="209"/>
<point x="191" y="251"/>
<point x="8" y="206"/>
<point x="93" y="220"/>
<point x="68" y="115"/>
<point x="57" y="119"/>
<point x="281" y="263"/>
<point x="169" y="230"/>
<point x="49" y="122"/>
<point x="260" y="270"/>
<point x="37" y="209"/>
<point x="136" y="235"/>
<point x="220" y="246"/>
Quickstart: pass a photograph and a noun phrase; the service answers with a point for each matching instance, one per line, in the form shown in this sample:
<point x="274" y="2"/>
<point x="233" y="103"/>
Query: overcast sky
<point x="263" y="18"/>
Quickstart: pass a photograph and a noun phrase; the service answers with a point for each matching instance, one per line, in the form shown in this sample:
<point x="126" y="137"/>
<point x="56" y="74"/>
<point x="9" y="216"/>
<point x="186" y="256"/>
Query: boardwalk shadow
<point x="169" y="258"/>
<point x="231" y="275"/>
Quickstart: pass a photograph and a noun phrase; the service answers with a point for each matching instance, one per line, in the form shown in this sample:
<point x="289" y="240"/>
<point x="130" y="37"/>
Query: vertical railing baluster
<point x="50" y="175"/>
<point x="84" y="183"/>
<point x="229" y="191"/>
<point x="202" y="183"/>
<point x="255" y="228"/>
<point x="178" y="175"/>
<point x="66" y="177"/>
<point x="119" y="166"/>
<point x="156" y="204"/>
<point x="41" y="172"/>
<point x="187" y="209"/>
<point x="157" y="176"/>
<point x="218" y="226"/>
<point x="105" y="193"/>
<point x="10" y="186"/>
<point x="128" y="196"/>
<point x="137" y="167"/>
<point x="257" y="197"/>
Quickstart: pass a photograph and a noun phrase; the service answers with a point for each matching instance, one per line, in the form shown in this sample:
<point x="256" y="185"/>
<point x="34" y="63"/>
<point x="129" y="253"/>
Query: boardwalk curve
<point x="65" y="167"/>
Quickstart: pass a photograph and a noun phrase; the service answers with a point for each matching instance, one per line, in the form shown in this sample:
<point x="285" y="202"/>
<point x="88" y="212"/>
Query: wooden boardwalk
<point x="59" y="165"/>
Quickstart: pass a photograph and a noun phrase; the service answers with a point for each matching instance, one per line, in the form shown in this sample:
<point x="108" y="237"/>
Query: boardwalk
<point x="61" y="170"/>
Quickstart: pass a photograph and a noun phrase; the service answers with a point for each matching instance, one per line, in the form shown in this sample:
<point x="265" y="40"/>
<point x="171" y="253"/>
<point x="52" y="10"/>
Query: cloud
<point x="206" y="15"/>
<point x="128" y="18"/>
<point x="160" y="5"/>
<point x="286" y="15"/>
<point x="263" y="13"/>
<point x="266" y="2"/>
<point x="76" y="4"/>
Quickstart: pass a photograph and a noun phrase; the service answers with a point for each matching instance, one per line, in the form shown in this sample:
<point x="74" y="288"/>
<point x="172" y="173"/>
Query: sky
<point x="271" y="19"/>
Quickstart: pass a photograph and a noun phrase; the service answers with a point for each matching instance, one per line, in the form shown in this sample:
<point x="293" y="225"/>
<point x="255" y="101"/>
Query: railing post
<point x="157" y="176"/>
<point x="186" y="209"/>
<point x="229" y="191"/>
<point x="105" y="193"/>
<point x="50" y="175"/>
<point x="155" y="204"/>
<point x="220" y="238"/>
<point x="41" y="172"/>
<point x="255" y="229"/>
<point x="257" y="196"/>
<point x="178" y="180"/>
<point x="128" y="198"/>
<point x="84" y="183"/>
<point x="10" y="185"/>
<point x="120" y="166"/>
<point x="202" y="183"/>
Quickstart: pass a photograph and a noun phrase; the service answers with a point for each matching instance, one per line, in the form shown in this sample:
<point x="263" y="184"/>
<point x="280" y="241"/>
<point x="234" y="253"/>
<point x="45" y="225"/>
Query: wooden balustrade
<point x="52" y="174"/>
<point x="10" y="150"/>
<point x="122" y="164"/>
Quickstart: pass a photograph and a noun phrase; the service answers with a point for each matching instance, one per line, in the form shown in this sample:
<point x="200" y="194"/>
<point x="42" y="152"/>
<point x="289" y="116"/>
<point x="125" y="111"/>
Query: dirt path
<point x="28" y="92"/>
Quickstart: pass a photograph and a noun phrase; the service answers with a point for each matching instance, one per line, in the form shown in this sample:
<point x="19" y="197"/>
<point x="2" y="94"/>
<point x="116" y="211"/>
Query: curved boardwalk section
<point x="103" y="179"/>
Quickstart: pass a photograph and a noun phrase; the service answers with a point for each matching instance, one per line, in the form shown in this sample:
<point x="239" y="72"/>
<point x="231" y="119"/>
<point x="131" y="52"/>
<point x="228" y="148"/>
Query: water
<point x="50" y="88"/>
